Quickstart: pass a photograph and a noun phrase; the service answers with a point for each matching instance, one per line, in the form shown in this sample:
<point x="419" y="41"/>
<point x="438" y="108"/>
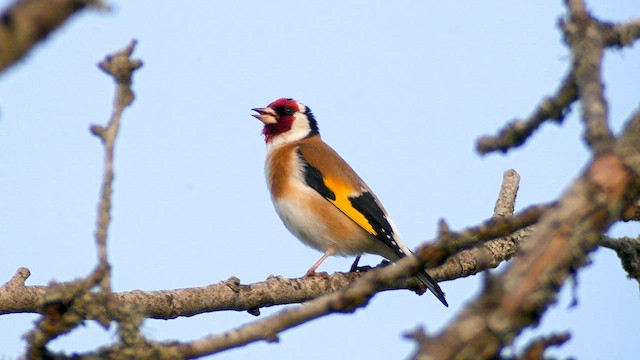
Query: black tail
<point x="432" y="285"/>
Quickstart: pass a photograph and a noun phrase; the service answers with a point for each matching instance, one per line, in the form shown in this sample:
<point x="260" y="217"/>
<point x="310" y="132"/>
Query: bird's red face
<point x="279" y="117"/>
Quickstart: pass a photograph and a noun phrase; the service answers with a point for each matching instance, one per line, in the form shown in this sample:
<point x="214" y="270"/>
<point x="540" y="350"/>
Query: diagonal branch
<point x="25" y="23"/>
<point x="564" y="237"/>
<point x="555" y="108"/>
<point x="588" y="38"/>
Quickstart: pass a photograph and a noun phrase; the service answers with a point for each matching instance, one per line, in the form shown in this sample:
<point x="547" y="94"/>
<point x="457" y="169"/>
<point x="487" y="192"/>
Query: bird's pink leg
<point x="312" y="271"/>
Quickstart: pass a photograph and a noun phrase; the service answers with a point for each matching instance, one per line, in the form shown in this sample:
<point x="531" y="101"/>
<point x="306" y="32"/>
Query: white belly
<point x="344" y="236"/>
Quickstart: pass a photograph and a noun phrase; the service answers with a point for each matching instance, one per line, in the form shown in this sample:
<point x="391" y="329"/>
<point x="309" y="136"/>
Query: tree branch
<point x="489" y="254"/>
<point x="628" y="250"/>
<point x="584" y="34"/>
<point x="232" y="295"/>
<point x="620" y="35"/>
<point x="27" y="22"/>
<point x="564" y="237"/>
<point x="121" y="67"/>
<point x="588" y="38"/>
<point x="64" y="306"/>
<point x="226" y="295"/>
<point x="535" y="350"/>
<point x="556" y="108"/>
<point x="347" y="299"/>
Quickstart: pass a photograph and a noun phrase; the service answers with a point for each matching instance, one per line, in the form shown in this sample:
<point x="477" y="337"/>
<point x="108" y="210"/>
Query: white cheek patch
<point x="300" y="125"/>
<point x="300" y="129"/>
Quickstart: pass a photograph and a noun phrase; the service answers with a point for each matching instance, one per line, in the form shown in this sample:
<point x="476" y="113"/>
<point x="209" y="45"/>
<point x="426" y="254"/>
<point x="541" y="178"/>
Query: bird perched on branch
<point x="319" y="198"/>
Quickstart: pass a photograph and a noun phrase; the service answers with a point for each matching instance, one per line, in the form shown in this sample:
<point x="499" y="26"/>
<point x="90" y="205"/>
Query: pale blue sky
<point x="400" y="89"/>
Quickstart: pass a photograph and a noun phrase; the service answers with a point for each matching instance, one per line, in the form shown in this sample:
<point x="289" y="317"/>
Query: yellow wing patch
<point x="342" y="202"/>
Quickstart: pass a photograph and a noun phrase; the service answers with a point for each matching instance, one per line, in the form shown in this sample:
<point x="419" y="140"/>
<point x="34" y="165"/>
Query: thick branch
<point x="169" y="304"/>
<point x="27" y="22"/>
<point x="563" y="238"/>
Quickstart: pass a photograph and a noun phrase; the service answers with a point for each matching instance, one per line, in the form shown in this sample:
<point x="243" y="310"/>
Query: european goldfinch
<point x="319" y="198"/>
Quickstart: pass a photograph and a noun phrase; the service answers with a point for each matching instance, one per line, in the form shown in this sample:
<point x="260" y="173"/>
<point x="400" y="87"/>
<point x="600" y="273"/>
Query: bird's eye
<point x="288" y="111"/>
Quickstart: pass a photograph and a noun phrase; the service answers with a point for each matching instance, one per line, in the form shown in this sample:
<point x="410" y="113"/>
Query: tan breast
<point x="279" y="168"/>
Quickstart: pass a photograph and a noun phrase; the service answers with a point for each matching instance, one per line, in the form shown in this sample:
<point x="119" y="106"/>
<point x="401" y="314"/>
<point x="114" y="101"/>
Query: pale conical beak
<point x="266" y="115"/>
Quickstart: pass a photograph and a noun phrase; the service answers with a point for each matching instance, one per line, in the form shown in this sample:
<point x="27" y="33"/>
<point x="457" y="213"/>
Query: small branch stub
<point x="120" y="65"/>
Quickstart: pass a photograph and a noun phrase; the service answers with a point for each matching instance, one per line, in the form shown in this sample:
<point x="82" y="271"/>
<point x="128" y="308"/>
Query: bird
<point x="319" y="197"/>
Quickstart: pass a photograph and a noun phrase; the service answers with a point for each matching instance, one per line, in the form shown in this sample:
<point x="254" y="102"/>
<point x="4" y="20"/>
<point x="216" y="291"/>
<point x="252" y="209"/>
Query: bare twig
<point x="620" y="35"/>
<point x="60" y="315"/>
<point x="584" y="34"/>
<point x="588" y="38"/>
<point x="506" y="202"/>
<point x="555" y="108"/>
<point x="490" y="254"/>
<point x="628" y="250"/>
<point x="121" y="67"/>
